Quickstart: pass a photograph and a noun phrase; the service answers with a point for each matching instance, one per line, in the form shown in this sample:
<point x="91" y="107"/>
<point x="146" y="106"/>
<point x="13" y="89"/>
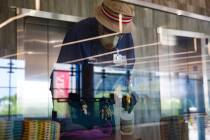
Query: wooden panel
<point x="196" y="6"/>
<point x="7" y="33"/>
<point x="85" y="7"/>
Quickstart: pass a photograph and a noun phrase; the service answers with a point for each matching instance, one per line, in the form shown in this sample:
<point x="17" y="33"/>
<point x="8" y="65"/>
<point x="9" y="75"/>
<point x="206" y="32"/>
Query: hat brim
<point x="112" y="25"/>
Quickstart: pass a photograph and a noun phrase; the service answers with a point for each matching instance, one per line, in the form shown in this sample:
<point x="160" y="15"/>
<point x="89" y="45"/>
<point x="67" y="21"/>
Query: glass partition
<point x="157" y="90"/>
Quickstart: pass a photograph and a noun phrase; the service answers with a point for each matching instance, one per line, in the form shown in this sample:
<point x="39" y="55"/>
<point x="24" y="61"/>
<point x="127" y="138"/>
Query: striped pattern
<point x="29" y="130"/>
<point x="115" y="16"/>
<point x="11" y="130"/>
<point x="18" y="129"/>
<point x="41" y="130"/>
<point x="6" y="130"/>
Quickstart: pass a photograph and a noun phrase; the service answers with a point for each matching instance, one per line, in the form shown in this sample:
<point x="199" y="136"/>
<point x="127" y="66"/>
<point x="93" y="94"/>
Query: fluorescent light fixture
<point x="37" y="3"/>
<point x="112" y="52"/>
<point x="21" y="53"/>
<point x="209" y="48"/>
<point x="195" y="44"/>
<point x="167" y="60"/>
<point x="179" y="12"/>
<point x="85" y="40"/>
<point x="147" y="57"/>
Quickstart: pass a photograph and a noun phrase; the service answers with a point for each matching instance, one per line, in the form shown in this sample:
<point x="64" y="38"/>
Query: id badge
<point x="119" y="59"/>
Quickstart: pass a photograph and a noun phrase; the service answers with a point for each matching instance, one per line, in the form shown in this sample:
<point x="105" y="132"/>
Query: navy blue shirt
<point x="84" y="29"/>
<point x="88" y="28"/>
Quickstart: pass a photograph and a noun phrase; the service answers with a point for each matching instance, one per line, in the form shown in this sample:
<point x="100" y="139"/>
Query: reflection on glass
<point x="12" y="72"/>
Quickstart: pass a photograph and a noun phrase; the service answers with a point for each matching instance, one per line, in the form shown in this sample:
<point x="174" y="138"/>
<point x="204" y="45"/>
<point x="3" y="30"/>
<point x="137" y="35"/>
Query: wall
<point x="85" y="8"/>
<point x="72" y="7"/>
<point x="80" y="7"/>
<point x="195" y="6"/>
<point x="8" y="33"/>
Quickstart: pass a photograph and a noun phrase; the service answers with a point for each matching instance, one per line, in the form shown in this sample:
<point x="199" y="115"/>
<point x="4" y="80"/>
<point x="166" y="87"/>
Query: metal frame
<point x="38" y="14"/>
<point x="22" y="13"/>
<point x="48" y="15"/>
<point x="174" y="32"/>
<point x="167" y="9"/>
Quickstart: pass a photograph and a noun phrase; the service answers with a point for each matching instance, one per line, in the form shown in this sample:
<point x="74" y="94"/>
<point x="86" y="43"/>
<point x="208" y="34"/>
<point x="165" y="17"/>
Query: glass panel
<point x="150" y="84"/>
<point x="12" y="72"/>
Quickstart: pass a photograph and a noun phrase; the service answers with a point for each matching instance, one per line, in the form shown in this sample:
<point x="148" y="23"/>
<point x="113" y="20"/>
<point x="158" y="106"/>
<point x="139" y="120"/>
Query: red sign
<point x="61" y="84"/>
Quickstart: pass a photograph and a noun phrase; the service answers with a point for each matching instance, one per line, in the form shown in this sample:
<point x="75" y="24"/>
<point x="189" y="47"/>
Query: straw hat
<point x="108" y="12"/>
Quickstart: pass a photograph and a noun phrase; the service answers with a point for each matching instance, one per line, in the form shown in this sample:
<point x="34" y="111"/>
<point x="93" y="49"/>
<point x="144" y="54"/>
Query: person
<point x="105" y="21"/>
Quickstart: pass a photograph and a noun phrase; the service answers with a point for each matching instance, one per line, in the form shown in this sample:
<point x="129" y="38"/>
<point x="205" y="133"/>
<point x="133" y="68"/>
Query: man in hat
<point x="106" y="21"/>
